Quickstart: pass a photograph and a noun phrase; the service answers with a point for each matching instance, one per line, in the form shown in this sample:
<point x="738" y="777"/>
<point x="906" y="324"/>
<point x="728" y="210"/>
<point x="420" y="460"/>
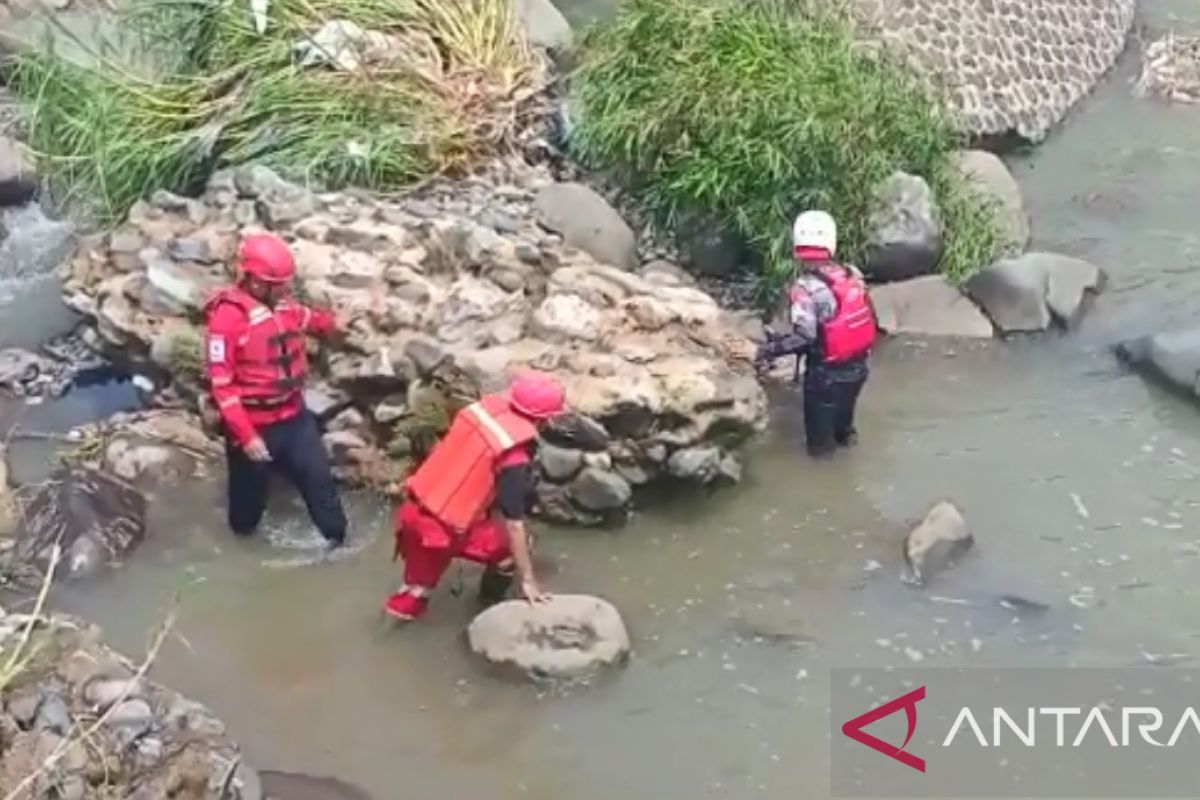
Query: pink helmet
<point x="267" y="258"/>
<point x="536" y="395"/>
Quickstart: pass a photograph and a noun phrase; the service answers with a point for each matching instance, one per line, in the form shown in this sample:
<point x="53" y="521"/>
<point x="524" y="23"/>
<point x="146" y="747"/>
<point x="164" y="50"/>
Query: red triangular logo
<point x="854" y="728"/>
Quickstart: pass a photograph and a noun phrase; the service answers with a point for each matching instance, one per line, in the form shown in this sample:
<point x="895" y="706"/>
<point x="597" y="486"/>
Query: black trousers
<point x="830" y="396"/>
<point x="298" y="453"/>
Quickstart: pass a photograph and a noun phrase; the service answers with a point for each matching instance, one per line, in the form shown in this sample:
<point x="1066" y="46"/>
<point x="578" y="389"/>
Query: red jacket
<point x="257" y="360"/>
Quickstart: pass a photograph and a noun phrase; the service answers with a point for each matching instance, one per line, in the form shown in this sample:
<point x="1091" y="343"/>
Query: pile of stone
<point x="148" y="742"/>
<point x="1020" y="293"/>
<point x="447" y="294"/>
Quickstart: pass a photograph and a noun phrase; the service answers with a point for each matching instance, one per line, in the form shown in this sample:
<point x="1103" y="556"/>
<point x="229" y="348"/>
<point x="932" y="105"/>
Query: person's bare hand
<point x="533" y="592"/>
<point x="257" y="450"/>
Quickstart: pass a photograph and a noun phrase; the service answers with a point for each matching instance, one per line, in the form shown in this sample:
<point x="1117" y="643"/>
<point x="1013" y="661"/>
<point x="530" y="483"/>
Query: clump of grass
<point x="185" y="357"/>
<point x="458" y="82"/>
<point x="748" y="113"/>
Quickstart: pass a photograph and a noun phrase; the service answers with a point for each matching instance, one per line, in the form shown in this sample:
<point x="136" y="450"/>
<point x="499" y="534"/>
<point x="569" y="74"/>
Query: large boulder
<point x="905" y="230"/>
<point x="441" y="296"/>
<point x="544" y="25"/>
<point x="586" y="220"/>
<point x="570" y="637"/>
<point x="1029" y="292"/>
<point x="988" y="175"/>
<point x="928" y="306"/>
<point x="18" y="180"/>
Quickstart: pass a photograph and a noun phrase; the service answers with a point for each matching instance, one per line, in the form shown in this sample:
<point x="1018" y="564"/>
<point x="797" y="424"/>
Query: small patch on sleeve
<point x="216" y="349"/>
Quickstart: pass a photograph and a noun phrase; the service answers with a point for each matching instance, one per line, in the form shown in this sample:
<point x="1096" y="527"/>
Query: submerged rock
<point x="940" y="539"/>
<point x="295" y="786"/>
<point x="1172" y="356"/>
<point x="905" y="237"/>
<point x="1027" y="293"/>
<point x="568" y="637"/>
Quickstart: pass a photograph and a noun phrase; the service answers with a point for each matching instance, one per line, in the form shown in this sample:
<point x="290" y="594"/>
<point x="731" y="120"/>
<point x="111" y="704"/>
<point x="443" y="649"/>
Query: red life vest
<point x="850" y="333"/>
<point x="457" y="481"/>
<point x="270" y="358"/>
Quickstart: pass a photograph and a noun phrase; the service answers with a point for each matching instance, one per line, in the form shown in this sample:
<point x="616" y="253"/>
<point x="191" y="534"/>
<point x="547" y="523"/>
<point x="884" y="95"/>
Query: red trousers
<point x="428" y="547"/>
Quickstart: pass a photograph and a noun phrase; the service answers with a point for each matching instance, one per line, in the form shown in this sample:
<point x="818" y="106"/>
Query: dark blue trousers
<point x="830" y="396"/>
<point x="298" y="453"/>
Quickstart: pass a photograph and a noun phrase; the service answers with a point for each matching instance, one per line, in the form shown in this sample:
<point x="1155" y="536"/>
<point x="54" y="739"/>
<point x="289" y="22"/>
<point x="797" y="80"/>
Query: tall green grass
<point x="750" y="112"/>
<point x="461" y="84"/>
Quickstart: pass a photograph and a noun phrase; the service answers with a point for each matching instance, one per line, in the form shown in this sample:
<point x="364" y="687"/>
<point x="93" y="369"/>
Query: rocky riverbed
<point x="82" y="722"/>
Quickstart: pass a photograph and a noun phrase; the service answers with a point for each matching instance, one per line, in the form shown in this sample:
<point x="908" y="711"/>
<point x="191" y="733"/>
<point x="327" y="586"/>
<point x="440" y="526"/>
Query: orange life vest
<point x="850" y="333"/>
<point x="270" y="360"/>
<point x="457" y="481"/>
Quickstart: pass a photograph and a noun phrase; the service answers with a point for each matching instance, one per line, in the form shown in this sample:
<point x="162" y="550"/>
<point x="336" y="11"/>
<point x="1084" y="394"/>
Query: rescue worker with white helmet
<point x="828" y="319"/>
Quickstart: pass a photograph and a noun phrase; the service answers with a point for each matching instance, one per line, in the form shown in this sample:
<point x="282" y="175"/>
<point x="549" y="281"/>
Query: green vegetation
<point x="749" y="112"/>
<point x="185" y="358"/>
<point x="453" y="81"/>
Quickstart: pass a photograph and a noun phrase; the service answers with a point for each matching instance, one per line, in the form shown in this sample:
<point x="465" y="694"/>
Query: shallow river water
<point x="1079" y="481"/>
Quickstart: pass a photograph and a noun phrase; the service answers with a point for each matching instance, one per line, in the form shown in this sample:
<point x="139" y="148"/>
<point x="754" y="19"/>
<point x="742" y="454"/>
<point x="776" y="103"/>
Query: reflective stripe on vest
<point x="457" y="482"/>
<point x="269" y="365"/>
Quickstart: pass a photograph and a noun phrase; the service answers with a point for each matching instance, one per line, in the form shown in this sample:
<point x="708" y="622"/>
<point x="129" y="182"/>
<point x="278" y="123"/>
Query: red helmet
<point x="536" y="395"/>
<point x="267" y="258"/>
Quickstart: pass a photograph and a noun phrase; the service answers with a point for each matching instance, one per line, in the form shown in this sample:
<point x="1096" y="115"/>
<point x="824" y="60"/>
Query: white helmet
<point x="815" y="229"/>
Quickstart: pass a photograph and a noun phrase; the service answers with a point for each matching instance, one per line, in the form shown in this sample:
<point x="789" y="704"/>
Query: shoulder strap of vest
<point x="832" y="273"/>
<point x="504" y="428"/>
<point x="233" y="295"/>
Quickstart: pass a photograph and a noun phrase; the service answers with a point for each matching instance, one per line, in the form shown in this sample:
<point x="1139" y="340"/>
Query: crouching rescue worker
<point x="469" y="497"/>
<point x="828" y="320"/>
<point x="257" y="361"/>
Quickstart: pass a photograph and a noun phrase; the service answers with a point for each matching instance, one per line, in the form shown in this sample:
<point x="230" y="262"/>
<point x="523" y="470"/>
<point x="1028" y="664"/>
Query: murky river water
<point x="1080" y="482"/>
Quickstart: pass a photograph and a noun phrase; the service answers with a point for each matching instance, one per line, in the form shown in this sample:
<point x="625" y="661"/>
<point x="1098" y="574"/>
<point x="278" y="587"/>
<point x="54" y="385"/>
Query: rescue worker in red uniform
<point x="468" y="499"/>
<point x="257" y="361"/>
<point x="830" y="322"/>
